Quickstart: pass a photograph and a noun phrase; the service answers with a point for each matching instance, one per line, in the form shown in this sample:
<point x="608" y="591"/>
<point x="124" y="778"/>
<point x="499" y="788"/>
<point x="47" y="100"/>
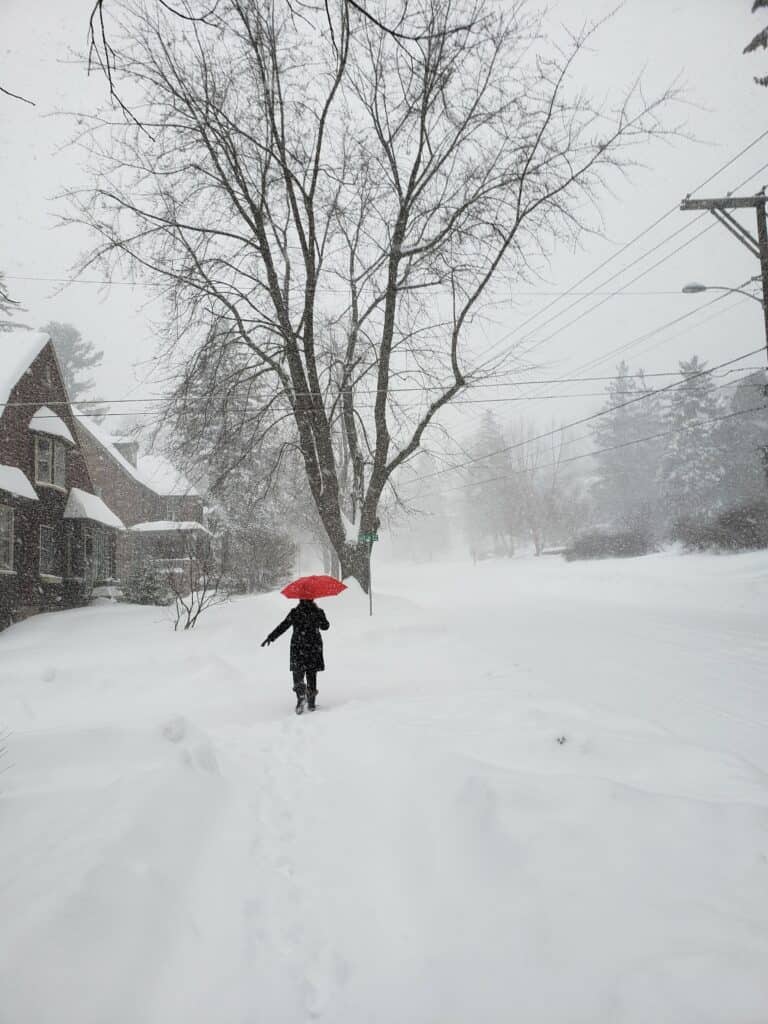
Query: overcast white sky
<point x="698" y="40"/>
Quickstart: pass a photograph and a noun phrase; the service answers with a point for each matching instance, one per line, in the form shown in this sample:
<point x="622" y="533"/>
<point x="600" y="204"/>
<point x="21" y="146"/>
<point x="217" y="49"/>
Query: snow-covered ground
<point x="534" y="792"/>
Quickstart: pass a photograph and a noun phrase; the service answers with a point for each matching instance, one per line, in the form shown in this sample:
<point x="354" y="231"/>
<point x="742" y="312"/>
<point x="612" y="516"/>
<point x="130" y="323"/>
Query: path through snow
<point x="534" y="791"/>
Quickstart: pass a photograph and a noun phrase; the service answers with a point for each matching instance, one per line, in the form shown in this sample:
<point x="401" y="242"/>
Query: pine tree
<point x="625" y="489"/>
<point x="692" y="466"/>
<point x="77" y="357"/>
<point x="8" y="307"/>
<point x="743" y="440"/>
<point x="759" y="41"/>
<point x="489" y="506"/>
<point x="426" y="533"/>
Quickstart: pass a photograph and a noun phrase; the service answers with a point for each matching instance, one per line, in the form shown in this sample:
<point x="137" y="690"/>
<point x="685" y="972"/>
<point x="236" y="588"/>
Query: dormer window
<point x="50" y="462"/>
<point x="51" y="440"/>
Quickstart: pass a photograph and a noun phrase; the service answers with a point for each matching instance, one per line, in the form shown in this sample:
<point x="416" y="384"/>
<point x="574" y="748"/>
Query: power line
<point x="623" y="348"/>
<point x="559" y="294"/>
<point x="659" y="220"/>
<point x="612" y="294"/>
<point x="591" y="454"/>
<point x="618" y="273"/>
<point x="567" y="442"/>
<point x="657" y="331"/>
<point x="339" y="291"/>
<point x="588" y="419"/>
<point x="626" y="346"/>
<point x="160" y="399"/>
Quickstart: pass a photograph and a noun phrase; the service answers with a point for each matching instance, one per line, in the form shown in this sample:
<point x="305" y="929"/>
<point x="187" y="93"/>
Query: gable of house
<point x="140" y="488"/>
<point x="34" y="406"/>
<point x="48" y="543"/>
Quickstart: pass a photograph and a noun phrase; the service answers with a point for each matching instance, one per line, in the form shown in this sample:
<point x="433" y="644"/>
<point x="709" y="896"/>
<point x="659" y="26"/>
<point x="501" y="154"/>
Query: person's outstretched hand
<point x="266" y="643"/>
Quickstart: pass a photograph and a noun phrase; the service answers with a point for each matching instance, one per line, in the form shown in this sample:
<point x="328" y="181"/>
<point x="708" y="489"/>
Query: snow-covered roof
<point x="82" y="505"/>
<point x="18" y="350"/>
<point x="45" y="421"/>
<point x="163" y="477"/>
<point x="13" y="481"/>
<point x="153" y="471"/>
<point x="105" y="440"/>
<point x="168" y="526"/>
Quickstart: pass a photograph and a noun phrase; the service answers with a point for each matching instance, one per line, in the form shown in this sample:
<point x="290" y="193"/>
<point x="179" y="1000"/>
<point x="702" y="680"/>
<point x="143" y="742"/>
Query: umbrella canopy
<point x="307" y="588"/>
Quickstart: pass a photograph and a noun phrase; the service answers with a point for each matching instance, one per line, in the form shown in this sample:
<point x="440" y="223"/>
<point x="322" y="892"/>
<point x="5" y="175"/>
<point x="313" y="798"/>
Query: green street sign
<point x="367" y="538"/>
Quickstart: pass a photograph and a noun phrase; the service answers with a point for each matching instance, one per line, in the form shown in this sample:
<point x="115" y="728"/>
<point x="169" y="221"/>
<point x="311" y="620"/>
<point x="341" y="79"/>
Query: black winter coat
<point x="307" y="620"/>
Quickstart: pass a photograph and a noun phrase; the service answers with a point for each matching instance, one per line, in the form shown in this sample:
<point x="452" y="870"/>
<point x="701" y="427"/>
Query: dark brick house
<point x="162" y="511"/>
<point x="57" y="537"/>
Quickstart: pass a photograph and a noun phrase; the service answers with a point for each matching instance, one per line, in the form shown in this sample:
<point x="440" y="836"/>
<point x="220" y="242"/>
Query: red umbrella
<point x="309" y="587"/>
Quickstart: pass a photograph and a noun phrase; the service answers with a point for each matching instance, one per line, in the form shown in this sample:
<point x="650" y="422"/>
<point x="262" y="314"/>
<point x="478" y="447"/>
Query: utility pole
<point x="720" y="208"/>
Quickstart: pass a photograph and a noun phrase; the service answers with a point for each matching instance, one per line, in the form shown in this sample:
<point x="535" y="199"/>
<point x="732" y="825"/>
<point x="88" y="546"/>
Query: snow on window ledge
<point x="51" y="487"/>
<point x="7" y="572"/>
<point x="49" y="578"/>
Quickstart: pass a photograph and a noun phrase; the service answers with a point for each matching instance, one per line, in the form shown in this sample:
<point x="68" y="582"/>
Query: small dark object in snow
<point x="609" y="543"/>
<point x="562" y="739"/>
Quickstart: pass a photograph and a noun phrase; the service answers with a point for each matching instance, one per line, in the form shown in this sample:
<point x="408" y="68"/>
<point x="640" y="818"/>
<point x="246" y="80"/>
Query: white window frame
<point x="6" y="557"/>
<point x="56" y="461"/>
<point x="48" y="460"/>
<point x="59" y="465"/>
<point x="52" y="569"/>
<point x="69" y="550"/>
<point x="102" y="566"/>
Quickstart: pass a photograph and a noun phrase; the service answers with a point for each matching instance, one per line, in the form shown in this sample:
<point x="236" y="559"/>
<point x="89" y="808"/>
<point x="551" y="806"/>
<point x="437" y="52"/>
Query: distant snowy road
<point x="533" y="792"/>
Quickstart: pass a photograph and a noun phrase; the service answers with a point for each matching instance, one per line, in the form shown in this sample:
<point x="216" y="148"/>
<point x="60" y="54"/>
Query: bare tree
<point x="195" y="583"/>
<point x="344" y="200"/>
<point x="538" y="481"/>
<point x="16" y="96"/>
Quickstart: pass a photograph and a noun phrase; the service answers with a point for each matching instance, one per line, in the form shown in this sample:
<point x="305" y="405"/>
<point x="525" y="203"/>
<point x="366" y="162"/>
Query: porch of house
<point x="175" y="553"/>
<point x="55" y="561"/>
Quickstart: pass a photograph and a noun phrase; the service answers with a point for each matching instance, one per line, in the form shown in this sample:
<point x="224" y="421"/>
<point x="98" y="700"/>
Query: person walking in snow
<point x="307" y="620"/>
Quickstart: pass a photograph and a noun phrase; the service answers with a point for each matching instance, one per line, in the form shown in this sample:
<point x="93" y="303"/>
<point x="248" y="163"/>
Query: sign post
<point x="369" y="538"/>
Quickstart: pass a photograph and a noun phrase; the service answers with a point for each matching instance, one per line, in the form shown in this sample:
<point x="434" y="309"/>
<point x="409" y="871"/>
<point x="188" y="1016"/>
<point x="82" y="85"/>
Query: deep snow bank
<point x="534" y="791"/>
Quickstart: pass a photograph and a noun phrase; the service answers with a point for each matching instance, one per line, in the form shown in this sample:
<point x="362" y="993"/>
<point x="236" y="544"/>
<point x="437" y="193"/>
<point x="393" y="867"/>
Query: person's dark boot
<point x="300" y="702"/>
<point x="311" y="701"/>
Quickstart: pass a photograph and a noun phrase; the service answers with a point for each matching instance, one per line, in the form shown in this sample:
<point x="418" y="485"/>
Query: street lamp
<point x="694" y="287"/>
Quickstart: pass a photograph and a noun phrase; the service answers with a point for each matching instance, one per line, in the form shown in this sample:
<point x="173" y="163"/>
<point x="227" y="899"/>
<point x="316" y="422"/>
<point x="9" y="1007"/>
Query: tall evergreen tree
<point x="77" y="358"/>
<point x="489" y="506"/>
<point x="625" y="489"/>
<point x="692" y="466"/>
<point x="744" y="442"/>
<point x="759" y="41"/>
<point x="426" y="532"/>
<point x="8" y="307"/>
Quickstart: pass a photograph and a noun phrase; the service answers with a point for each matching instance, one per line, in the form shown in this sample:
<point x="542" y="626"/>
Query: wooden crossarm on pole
<point x="724" y="203"/>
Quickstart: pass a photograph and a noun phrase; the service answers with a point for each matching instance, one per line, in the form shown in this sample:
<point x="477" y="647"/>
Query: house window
<point x="100" y="555"/>
<point x="6" y="538"/>
<point x="69" y="551"/>
<point x="43" y="460"/>
<point x="59" y="464"/>
<point x="50" y="462"/>
<point x="48" y="551"/>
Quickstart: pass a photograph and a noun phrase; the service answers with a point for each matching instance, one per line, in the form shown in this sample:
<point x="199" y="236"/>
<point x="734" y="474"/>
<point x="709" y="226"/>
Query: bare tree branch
<point x="331" y="211"/>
